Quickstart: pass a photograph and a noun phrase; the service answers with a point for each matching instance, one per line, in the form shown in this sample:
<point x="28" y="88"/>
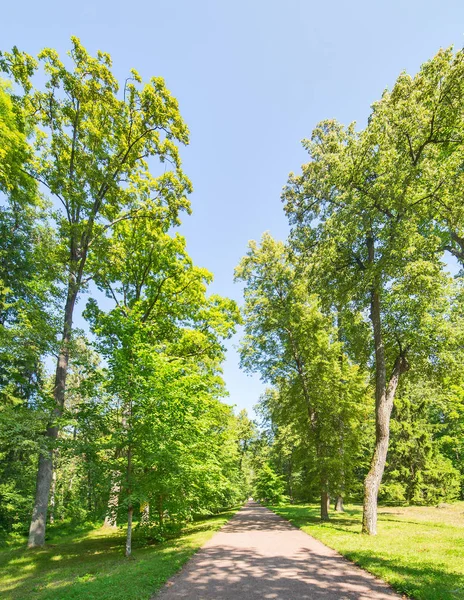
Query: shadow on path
<point x="258" y="555"/>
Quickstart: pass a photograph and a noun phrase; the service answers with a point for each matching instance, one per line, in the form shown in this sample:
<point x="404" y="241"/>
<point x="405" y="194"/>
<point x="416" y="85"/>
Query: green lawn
<point x="419" y="551"/>
<point x="90" y="564"/>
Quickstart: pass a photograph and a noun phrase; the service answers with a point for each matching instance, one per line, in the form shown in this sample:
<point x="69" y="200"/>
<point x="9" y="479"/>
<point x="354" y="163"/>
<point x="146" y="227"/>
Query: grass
<point x="419" y="551"/>
<point x="91" y="564"/>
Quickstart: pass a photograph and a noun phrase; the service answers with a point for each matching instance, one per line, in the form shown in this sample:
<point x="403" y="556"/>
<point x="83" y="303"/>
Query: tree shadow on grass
<point x="84" y="563"/>
<point x="427" y="581"/>
<point x="18" y="566"/>
<point x="111" y="576"/>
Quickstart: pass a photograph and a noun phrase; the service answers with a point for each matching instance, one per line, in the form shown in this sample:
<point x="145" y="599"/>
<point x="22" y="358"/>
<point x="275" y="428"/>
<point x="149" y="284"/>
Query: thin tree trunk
<point x="160" y="510"/>
<point x="384" y="397"/>
<point x="113" y="501"/>
<point x="89" y="485"/>
<point x="339" y="504"/>
<point x="45" y="466"/>
<point x="145" y="513"/>
<point x="52" y="497"/>
<point x="130" y="512"/>
<point x="325" y="505"/>
<point x="341" y="425"/>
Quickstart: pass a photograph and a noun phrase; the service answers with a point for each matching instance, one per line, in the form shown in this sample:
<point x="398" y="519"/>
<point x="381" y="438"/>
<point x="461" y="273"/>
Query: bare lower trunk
<point x="145" y="513"/>
<point x="325" y="505"/>
<point x="384" y="396"/>
<point x="382" y="435"/>
<point x="113" y="501"/>
<point x="130" y="510"/>
<point x="339" y="504"/>
<point x="39" y="514"/>
<point x="130" y="513"/>
<point x="45" y="466"/>
<point x="160" y="510"/>
<point x="52" y="497"/>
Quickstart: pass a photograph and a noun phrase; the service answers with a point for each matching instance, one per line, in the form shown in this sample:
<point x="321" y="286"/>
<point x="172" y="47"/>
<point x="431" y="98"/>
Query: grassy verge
<point x="90" y="565"/>
<point x="419" y="551"/>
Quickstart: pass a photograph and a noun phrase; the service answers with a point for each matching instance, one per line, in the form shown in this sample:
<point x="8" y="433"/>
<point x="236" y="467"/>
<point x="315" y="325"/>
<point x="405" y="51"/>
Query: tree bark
<point x="52" y="497"/>
<point x="45" y="466"/>
<point x="39" y="514"/>
<point x="130" y="512"/>
<point x="325" y="505"/>
<point x="384" y="397"/>
<point x="339" y="504"/>
<point x="160" y="510"/>
<point x="113" y="501"/>
<point x="145" y="513"/>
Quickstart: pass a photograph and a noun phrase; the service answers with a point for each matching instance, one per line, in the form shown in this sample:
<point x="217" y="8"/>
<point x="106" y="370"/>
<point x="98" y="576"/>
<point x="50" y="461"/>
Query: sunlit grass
<point x="91" y="565"/>
<point x="418" y="550"/>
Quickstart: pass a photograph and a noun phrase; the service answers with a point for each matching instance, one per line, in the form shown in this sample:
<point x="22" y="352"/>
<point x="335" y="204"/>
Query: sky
<point x="252" y="79"/>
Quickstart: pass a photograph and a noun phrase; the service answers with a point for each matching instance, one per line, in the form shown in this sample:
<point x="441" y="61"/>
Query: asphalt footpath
<point x="258" y="555"/>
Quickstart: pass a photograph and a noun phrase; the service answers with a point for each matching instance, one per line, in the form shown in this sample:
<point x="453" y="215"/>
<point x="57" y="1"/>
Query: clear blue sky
<point x="252" y="78"/>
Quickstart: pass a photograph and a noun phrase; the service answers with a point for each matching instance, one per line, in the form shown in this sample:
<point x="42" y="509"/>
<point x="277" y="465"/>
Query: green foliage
<point x="93" y="185"/>
<point x="318" y="399"/>
<point x="28" y="295"/>
<point x="371" y="216"/>
<point x="417" y="472"/>
<point x="268" y="486"/>
<point x="162" y="343"/>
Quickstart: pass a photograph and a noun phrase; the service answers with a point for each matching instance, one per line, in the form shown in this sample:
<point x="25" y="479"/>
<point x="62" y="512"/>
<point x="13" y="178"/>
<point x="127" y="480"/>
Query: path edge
<point x="343" y="557"/>
<point x="182" y="567"/>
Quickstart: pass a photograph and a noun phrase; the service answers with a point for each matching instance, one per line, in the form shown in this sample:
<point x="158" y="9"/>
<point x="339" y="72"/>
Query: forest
<point x="113" y="407"/>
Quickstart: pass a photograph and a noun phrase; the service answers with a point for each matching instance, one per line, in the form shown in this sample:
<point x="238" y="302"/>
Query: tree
<point x="92" y="145"/>
<point x="163" y="345"/>
<point x="28" y="294"/>
<point x="294" y="347"/>
<point x="353" y="215"/>
<point x="245" y="433"/>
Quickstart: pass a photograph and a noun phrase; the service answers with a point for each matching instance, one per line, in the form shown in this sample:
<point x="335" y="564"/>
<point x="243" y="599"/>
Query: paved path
<point x="258" y="555"/>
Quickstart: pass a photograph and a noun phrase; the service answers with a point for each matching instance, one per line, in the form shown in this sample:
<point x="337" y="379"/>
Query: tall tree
<point x="353" y="212"/>
<point x="295" y="348"/>
<point x="92" y="146"/>
<point x="28" y="296"/>
<point x="163" y="344"/>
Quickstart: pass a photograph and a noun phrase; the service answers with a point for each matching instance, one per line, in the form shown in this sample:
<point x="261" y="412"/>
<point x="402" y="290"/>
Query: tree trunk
<point x="89" y="486"/>
<point x="145" y="513"/>
<point x="45" y="466"/>
<point x="382" y="435"/>
<point x="339" y="504"/>
<point x="384" y="397"/>
<point x="160" y="510"/>
<point x="52" y="497"/>
<point x="39" y="514"/>
<point x="130" y="512"/>
<point x="325" y="505"/>
<point x="113" y="501"/>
